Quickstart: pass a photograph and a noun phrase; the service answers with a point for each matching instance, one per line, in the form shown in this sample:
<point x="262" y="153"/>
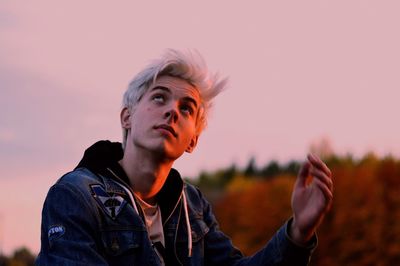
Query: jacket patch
<point x="55" y="232"/>
<point x="111" y="204"/>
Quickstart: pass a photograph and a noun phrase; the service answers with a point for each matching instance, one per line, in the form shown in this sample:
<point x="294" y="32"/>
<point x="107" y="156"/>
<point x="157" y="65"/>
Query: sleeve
<point x="69" y="230"/>
<point x="280" y="250"/>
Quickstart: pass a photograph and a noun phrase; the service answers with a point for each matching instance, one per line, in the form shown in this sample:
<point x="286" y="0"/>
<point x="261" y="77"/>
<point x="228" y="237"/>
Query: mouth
<point x="167" y="128"/>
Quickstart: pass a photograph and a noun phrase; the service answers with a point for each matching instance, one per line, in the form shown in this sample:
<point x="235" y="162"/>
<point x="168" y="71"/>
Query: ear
<point x="192" y="144"/>
<point x="125" y="118"/>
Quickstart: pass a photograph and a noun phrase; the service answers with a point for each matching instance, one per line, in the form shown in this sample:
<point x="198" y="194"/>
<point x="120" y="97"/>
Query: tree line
<point x="20" y="257"/>
<point x="362" y="227"/>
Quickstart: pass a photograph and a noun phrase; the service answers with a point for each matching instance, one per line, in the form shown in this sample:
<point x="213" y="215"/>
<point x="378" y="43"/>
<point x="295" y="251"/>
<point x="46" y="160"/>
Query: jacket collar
<point x="104" y="155"/>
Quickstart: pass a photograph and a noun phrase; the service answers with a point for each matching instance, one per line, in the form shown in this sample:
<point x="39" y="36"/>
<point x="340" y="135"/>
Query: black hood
<point x="102" y="155"/>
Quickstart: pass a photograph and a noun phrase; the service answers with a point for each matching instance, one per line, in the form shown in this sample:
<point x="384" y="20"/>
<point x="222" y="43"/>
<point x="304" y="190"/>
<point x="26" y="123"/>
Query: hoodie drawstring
<point x="126" y="190"/>
<point x="185" y="208"/>
<point x="189" y="228"/>
<point x="131" y="198"/>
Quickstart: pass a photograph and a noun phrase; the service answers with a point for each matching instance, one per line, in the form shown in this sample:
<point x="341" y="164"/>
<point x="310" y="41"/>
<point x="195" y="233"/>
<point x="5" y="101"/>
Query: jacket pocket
<point x="198" y="230"/>
<point x="119" y="242"/>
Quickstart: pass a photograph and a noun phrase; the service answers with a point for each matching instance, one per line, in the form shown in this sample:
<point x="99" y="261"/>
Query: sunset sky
<point x="300" y="71"/>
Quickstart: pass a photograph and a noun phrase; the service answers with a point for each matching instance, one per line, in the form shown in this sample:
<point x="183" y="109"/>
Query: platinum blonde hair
<point x="189" y="66"/>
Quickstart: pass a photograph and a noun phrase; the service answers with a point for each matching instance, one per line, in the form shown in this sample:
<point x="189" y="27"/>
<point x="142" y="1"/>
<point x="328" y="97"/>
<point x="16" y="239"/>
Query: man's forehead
<point x="176" y="85"/>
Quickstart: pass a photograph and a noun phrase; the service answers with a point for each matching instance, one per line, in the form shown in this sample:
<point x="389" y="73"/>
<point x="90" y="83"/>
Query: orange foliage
<point x="252" y="214"/>
<point x="362" y="228"/>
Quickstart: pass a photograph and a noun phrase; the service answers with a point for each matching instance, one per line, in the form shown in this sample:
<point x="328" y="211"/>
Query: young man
<point x="126" y="205"/>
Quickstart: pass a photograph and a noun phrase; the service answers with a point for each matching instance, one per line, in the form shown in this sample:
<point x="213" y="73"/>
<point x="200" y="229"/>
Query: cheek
<point x="151" y="112"/>
<point x="191" y="130"/>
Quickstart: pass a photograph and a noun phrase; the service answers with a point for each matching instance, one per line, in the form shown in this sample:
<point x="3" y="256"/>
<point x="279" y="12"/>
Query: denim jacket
<point x="89" y="218"/>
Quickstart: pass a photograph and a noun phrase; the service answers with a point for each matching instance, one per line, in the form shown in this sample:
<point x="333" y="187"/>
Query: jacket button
<point x="114" y="245"/>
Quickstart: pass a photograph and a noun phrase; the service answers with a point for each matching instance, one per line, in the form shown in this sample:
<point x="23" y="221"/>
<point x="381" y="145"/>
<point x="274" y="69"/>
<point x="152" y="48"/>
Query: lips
<point x="168" y="128"/>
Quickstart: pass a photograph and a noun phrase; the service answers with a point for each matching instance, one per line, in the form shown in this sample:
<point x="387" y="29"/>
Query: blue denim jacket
<point x="89" y="218"/>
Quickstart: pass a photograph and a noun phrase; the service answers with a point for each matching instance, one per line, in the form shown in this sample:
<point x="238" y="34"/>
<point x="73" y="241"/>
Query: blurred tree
<point x="389" y="173"/>
<point x="224" y="176"/>
<point x="362" y="227"/>
<point x="270" y="170"/>
<point x="251" y="169"/>
<point x="3" y="260"/>
<point x="292" y="168"/>
<point x="249" y="213"/>
<point x="23" y="256"/>
<point x="240" y="183"/>
<point x="20" y="257"/>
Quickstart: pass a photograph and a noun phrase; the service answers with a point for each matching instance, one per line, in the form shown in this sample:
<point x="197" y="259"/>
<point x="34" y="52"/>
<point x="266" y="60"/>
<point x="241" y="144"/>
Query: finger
<point x="303" y="174"/>
<point x="316" y="173"/>
<point x="317" y="162"/>
<point x="325" y="191"/>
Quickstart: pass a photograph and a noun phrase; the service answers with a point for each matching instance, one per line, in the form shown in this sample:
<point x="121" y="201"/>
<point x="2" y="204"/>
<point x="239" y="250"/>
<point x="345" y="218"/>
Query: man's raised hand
<point x="311" y="198"/>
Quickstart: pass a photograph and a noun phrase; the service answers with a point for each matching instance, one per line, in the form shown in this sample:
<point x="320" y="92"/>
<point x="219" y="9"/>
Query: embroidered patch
<point x="111" y="204"/>
<point x="55" y="232"/>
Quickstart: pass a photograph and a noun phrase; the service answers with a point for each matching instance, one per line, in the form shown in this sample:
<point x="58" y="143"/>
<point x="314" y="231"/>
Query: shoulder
<point x="77" y="184"/>
<point x="192" y="189"/>
<point x="78" y="176"/>
<point x="195" y="198"/>
<point x="193" y="192"/>
<point x="79" y="179"/>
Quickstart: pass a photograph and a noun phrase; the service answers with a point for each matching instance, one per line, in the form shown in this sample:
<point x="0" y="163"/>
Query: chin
<point x="161" y="149"/>
<point x="168" y="154"/>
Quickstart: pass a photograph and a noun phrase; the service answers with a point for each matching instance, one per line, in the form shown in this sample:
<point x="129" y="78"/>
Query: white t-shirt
<point x="152" y="216"/>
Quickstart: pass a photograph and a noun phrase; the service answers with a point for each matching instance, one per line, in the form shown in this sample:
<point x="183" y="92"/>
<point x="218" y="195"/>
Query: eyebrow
<point x="161" y="88"/>
<point x="168" y="90"/>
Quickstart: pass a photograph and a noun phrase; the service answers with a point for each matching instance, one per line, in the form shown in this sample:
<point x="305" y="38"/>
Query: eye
<point x="159" y="98"/>
<point x="187" y="108"/>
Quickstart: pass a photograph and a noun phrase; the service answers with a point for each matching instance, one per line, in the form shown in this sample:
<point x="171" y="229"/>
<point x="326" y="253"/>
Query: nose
<point x="171" y="114"/>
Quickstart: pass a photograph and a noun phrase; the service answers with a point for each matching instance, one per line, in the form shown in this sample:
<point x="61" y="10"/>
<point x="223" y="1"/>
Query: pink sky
<point x="299" y="71"/>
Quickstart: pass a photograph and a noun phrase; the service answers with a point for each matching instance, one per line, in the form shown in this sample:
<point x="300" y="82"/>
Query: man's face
<point x="164" y="120"/>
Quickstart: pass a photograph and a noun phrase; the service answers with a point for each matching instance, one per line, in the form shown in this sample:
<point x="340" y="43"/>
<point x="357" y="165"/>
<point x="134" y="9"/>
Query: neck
<point x="146" y="173"/>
